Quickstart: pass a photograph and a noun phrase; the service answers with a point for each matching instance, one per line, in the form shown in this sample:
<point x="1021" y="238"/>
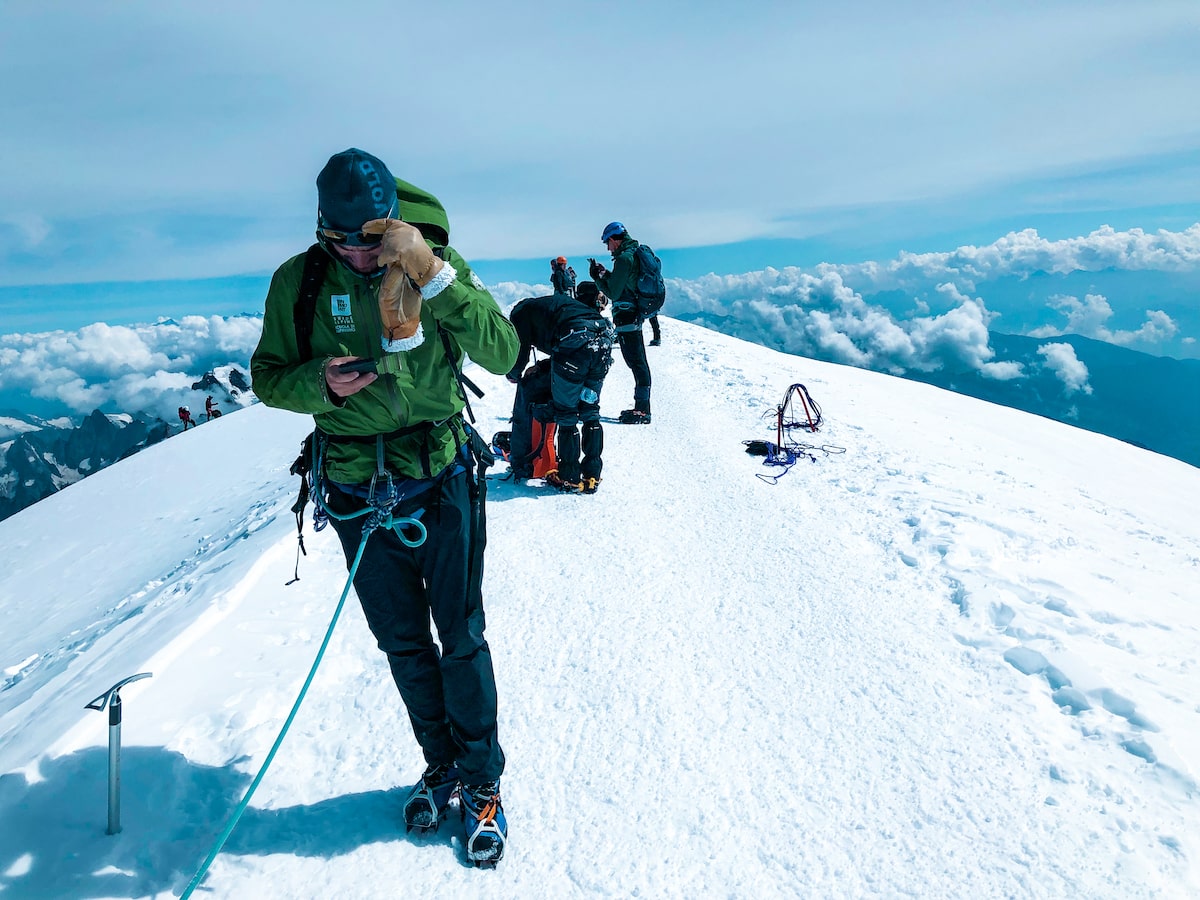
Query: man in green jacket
<point x="621" y="287"/>
<point x="403" y="309"/>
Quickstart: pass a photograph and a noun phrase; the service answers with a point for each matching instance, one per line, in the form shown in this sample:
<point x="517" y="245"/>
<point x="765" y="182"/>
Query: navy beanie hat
<point x="587" y="292"/>
<point x="353" y="188"/>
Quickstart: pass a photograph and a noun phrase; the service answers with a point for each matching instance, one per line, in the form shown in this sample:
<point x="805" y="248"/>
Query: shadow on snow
<point x="52" y="830"/>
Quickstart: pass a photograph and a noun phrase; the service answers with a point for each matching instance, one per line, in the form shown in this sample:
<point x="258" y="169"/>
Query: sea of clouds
<point x="121" y="368"/>
<point x="822" y="313"/>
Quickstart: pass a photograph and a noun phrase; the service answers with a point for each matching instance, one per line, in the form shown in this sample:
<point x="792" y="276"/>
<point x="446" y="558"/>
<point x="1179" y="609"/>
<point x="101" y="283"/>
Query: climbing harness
<point x="383" y="492"/>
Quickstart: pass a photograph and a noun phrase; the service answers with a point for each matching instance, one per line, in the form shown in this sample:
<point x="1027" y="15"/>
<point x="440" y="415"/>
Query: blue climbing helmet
<point x="611" y="230"/>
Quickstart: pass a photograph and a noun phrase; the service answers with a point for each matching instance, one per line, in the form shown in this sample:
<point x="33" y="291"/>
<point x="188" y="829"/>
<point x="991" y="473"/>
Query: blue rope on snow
<point x="241" y="807"/>
<point x="378" y="518"/>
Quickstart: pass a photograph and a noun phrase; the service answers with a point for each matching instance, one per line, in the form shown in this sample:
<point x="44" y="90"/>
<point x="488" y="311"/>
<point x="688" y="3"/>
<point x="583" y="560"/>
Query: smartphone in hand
<point x="357" y="365"/>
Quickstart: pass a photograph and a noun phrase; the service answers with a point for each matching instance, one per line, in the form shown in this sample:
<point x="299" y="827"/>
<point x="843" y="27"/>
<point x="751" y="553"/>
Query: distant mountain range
<point x="41" y="456"/>
<point x="1149" y="401"/>
<point x="45" y="457"/>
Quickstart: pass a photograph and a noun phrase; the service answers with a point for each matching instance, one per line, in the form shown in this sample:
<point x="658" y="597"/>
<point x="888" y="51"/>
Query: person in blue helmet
<point x="620" y="285"/>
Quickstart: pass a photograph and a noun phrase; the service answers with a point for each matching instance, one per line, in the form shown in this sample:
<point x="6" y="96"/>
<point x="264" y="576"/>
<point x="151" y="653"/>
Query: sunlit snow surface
<point x="959" y="659"/>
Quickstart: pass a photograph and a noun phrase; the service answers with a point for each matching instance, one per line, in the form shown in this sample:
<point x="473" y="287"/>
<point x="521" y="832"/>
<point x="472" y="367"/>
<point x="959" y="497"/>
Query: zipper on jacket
<point x="375" y="338"/>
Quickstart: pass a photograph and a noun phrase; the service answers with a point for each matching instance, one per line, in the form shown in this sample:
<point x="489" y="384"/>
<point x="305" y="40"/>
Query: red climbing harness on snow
<point x="798" y="410"/>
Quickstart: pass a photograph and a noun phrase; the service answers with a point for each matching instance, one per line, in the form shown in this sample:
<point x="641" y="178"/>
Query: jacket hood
<point x="419" y="207"/>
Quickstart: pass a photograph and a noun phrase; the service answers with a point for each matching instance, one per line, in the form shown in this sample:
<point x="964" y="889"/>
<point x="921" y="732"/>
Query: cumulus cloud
<point x="119" y="368"/>
<point x="1089" y="317"/>
<point x="820" y="316"/>
<point x="1024" y="253"/>
<point x="811" y="313"/>
<point x="1062" y="361"/>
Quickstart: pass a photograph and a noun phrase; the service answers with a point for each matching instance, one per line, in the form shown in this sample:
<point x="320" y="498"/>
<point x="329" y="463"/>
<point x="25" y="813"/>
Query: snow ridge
<point x="957" y="660"/>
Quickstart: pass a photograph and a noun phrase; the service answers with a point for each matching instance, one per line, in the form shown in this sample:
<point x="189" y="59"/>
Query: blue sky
<point x="864" y="184"/>
<point x="151" y="141"/>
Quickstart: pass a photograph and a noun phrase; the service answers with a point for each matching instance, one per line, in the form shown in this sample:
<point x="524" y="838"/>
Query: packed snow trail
<point x="847" y="684"/>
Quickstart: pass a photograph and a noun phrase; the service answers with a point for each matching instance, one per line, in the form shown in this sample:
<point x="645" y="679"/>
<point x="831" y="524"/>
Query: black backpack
<point x="650" y="288"/>
<point x="529" y="447"/>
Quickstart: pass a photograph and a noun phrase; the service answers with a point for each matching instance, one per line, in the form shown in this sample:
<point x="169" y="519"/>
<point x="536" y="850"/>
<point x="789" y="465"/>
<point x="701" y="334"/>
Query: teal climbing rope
<point x="241" y="807"/>
<point x="379" y="515"/>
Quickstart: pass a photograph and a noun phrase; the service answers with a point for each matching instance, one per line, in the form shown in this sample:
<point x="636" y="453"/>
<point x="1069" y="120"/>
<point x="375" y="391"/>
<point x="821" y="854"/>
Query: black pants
<point x="577" y="373"/>
<point x="576" y="379"/>
<point x="532" y="397"/>
<point x="633" y="351"/>
<point x="450" y="694"/>
<point x="655" y="330"/>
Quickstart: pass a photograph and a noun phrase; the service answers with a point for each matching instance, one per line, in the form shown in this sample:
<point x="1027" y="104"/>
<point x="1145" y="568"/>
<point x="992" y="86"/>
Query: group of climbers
<point x="569" y="327"/>
<point x="210" y="412"/>
<point x="578" y="339"/>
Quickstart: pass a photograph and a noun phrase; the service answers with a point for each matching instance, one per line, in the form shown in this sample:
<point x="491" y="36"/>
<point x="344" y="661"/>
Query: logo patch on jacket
<point x="339" y="309"/>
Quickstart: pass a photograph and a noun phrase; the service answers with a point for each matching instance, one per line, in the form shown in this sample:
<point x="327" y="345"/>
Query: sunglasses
<point x="349" y="238"/>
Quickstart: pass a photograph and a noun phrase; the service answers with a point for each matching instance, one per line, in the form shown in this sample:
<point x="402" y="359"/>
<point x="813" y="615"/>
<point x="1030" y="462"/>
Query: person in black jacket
<point x="562" y="276"/>
<point x="578" y="340"/>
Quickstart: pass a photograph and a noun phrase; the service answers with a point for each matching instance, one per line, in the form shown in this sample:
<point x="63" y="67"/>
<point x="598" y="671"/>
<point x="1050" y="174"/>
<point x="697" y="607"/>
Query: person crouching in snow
<point x="578" y="340"/>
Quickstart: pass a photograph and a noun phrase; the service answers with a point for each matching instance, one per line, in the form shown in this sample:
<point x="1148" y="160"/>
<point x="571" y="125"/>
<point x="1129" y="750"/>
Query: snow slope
<point x="959" y="659"/>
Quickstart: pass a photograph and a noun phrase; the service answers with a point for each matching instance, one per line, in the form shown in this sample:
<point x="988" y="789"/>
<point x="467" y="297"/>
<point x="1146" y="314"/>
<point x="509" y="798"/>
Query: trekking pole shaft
<point x="114" y="765"/>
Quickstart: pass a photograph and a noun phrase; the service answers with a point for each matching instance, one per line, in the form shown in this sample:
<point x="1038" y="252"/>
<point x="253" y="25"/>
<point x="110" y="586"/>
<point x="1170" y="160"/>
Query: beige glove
<point x="403" y="245"/>
<point x="399" y="305"/>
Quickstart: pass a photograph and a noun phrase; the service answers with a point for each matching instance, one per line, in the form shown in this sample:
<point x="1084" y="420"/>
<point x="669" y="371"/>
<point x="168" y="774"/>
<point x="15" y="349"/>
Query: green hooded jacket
<point x="620" y="285"/>
<point x="347" y="322"/>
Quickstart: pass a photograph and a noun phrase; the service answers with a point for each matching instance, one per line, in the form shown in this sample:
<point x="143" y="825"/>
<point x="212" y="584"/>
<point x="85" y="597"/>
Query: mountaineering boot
<point x="590" y="485"/>
<point x="633" y="417"/>
<point x="430" y="797"/>
<point x="555" y="480"/>
<point x="656" y="342"/>
<point x="484" y="825"/>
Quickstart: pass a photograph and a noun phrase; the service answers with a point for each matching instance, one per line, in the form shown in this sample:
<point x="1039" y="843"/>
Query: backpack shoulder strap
<point x="463" y="381"/>
<point x="316" y="262"/>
